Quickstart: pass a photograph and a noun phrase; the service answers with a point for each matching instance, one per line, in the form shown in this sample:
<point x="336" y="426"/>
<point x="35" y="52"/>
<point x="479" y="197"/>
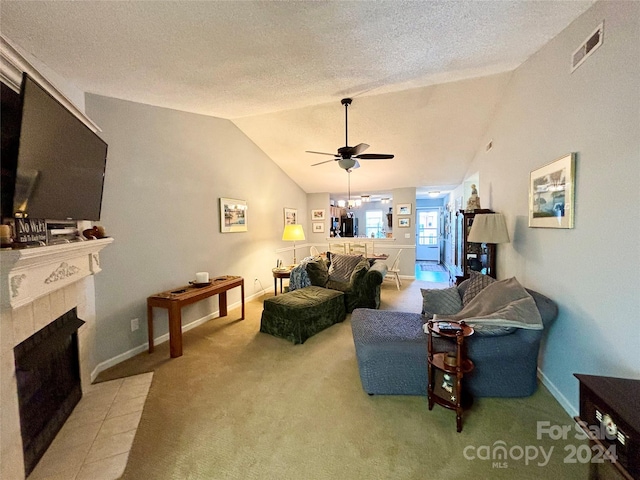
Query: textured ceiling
<point x="425" y="75"/>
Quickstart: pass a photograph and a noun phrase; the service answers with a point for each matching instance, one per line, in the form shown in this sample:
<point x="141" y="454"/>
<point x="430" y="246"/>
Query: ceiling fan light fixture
<point x="347" y="163"/>
<point x="347" y="157"/>
<point x="341" y="203"/>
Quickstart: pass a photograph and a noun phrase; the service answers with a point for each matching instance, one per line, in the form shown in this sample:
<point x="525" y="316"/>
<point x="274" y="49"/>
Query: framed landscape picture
<point x="318" y="227"/>
<point x="233" y="215"/>
<point x="552" y="193"/>
<point x="404" y="222"/>
<point x="317" y="215"/>
<point x="404" y="209"/>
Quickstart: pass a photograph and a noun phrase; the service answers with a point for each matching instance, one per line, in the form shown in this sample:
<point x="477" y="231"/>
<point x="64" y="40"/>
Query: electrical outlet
<point x="135" y="324"/>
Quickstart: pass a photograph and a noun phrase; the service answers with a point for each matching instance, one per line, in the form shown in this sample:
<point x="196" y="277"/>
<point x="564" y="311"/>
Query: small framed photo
<point x="290" y="216"/>
<point x="404" y="209"/>
<point x="552" y="193"/>
<point x="233" y="215"/>
<point x="318" y="227"/>
<point x="404" y="222"/>
<point x="317" y="215"/>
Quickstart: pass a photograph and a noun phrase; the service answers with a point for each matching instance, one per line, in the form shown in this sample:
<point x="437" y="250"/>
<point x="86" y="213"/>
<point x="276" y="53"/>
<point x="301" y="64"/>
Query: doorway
<point x="428" y="234"/>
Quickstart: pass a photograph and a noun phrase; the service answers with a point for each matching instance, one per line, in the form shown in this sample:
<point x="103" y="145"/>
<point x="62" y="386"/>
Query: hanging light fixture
<point x="351" y="203"/>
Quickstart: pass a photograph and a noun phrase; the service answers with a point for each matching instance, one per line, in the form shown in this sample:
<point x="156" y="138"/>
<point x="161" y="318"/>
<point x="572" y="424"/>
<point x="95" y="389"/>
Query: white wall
<point x="166" y="171"/>
<point x="593" y="270"/>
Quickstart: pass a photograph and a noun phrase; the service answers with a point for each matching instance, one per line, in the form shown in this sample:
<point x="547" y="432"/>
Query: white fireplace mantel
<point x="31" y="273"/>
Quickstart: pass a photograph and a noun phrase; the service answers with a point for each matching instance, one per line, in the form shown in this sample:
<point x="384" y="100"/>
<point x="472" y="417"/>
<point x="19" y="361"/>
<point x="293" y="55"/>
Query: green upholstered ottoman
<point x="298" y="315"/>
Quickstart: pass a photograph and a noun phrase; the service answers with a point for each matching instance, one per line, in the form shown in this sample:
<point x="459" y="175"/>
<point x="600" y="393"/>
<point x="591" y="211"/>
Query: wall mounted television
<point x="59" y="163"/>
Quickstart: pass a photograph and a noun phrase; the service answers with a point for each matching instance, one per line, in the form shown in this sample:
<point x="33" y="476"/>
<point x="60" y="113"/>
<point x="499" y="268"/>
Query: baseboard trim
<point x="555" y="392"/>
<point x="163" y="338"/>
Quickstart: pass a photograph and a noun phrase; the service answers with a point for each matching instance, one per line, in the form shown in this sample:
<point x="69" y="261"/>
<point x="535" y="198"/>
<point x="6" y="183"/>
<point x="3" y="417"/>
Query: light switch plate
<point x="407" y="235"/>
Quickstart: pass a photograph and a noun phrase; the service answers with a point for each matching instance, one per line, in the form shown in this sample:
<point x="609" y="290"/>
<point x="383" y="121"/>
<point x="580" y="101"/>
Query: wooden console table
<point x="173" y="300"/>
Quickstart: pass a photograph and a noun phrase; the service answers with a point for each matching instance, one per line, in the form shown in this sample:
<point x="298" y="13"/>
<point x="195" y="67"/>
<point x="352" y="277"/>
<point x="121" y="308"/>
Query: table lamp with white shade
<point x="293" y="233"/>
<point x="491" y="229"/>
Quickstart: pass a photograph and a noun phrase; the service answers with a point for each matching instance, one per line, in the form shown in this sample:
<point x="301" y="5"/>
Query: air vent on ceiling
<point x="588" y="47"/>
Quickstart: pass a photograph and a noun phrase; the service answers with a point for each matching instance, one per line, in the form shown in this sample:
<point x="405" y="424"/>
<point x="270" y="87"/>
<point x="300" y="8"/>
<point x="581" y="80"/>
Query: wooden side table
<point x="446" y="369"/>
<point x="280" y="273"/>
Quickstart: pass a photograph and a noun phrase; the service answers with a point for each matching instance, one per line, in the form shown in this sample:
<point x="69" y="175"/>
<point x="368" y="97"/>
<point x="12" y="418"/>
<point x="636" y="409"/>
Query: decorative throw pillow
<point x="477" y="281"/>
<point x="444" y="301"/>
<point x="359" y="272"/>
<point x="318" y="272"/>
<point x="342" y="266"/>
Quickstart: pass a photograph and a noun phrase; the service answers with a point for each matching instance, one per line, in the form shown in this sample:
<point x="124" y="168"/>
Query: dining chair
<point x="358" y="248"/>
<point x="314" y="251"/>
<point x="394" y="271"/>
<point x="338" y="248"/>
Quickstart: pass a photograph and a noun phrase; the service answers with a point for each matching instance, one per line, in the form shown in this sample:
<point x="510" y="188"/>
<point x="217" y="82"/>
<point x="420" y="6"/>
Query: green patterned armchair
<point x="360" y="283"/>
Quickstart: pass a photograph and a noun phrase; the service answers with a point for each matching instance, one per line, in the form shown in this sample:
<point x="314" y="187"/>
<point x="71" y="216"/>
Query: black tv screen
<point x="60" y="163"/>
<point x="10" y="108"/>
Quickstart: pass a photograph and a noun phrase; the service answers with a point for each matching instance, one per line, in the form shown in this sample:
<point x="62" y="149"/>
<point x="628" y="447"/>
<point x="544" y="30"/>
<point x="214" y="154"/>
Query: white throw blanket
<point x="505" y="303"/>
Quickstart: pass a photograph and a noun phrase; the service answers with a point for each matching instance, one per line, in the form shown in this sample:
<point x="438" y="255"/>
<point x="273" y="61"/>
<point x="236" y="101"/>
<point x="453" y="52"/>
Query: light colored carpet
<point x="240" y="404"/>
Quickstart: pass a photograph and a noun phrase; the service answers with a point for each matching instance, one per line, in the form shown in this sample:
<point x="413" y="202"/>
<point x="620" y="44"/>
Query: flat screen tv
<point x="60" y="162"/>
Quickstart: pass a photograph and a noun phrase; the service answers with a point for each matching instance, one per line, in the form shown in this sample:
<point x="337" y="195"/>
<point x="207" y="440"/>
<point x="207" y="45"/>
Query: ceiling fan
<point x="347" y="157"/>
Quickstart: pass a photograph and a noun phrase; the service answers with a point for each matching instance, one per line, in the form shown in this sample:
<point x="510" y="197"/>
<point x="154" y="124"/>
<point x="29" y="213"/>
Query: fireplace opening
<point x="48" y="378"/>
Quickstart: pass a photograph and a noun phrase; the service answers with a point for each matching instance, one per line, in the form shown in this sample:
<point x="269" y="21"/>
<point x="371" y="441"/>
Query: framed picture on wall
<point x="317" y="215"/>
<point x="290" y="216"/>
<point x="233" y="215"/>
<point x="404" y="222"/>
<point x="552" y="193"/>
<point x="318" y="227"/>
<point x="404" y="209"/>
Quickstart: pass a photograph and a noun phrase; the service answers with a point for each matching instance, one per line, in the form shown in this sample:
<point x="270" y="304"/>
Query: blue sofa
<point x="391" y="350"/>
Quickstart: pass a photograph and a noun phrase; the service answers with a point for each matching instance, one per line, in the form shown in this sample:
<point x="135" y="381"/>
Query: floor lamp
<point x="293" y="233"/>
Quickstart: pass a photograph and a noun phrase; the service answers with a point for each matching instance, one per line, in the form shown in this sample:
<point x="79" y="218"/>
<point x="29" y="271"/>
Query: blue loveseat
<point x="391" y="352"/>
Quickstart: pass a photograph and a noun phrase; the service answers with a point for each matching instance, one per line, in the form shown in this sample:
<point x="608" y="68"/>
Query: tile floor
<point x="95" y="441"/>
<point x="431" y="276"/>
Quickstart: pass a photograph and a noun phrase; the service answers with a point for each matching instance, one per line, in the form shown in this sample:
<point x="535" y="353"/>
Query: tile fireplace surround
<point x="38" y="285"/>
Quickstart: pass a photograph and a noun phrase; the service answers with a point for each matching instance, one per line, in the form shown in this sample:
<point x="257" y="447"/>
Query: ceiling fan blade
<point x="361" y="147"/>
<point x="326" y="161"/>
<point x="347" y="152"/>
<point x="374" y="156"/>
<point x="322" y="153"/>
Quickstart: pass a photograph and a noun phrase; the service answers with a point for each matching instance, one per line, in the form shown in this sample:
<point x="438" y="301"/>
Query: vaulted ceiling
<point x="425" y="76"/>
